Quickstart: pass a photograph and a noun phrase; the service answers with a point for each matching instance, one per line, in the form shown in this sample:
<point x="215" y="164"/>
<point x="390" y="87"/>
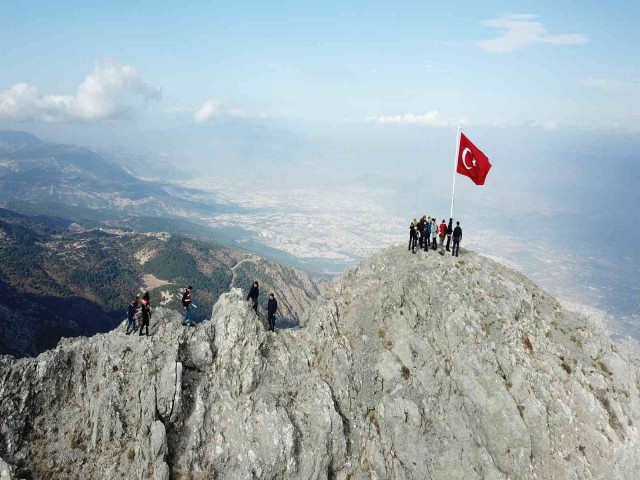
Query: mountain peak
<point x="413" y="366"/>
<point x="15" y="140"/>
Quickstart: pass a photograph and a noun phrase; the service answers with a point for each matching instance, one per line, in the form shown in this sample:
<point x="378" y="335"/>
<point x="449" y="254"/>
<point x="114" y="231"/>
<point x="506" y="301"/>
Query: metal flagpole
<point x="455" y="168"/>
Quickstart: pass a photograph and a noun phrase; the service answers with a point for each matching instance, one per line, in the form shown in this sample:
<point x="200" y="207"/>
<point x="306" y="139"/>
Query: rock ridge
<point x="412" y="366"/>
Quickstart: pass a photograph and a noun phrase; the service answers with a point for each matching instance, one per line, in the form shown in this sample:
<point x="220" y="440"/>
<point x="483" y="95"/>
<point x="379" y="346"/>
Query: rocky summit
<point x="411" y="367"/>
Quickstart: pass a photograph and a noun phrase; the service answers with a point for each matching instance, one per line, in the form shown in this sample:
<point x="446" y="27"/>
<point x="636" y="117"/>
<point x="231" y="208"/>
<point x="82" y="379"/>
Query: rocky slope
<point x="413" y="367"/>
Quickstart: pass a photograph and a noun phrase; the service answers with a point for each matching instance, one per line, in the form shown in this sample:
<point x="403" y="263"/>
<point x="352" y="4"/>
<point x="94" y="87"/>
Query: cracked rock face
<point x="414" y="366"/>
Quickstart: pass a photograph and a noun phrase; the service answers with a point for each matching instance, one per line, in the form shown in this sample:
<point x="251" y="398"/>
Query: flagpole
<point x="455" y="167"/>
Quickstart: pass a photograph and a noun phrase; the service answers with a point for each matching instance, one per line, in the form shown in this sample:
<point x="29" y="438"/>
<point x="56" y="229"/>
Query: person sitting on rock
<point x="146" y="313"/>
<point x="272" y="308"/>
<point x="131" y="314"/>
<point x="254" y="293"/>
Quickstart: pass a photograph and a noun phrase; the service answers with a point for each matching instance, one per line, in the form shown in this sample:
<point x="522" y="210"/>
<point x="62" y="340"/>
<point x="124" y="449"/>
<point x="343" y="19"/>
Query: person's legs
<point x="255" y="306"/>
<point x="410" y="240"/>
<point x="448" y="242"/>
<point x="187" y="315"/>
<point x="442" y="245"/>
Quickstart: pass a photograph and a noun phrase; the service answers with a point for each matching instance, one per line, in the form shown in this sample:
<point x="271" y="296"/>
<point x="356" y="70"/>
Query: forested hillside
<point x="59" y="279"/>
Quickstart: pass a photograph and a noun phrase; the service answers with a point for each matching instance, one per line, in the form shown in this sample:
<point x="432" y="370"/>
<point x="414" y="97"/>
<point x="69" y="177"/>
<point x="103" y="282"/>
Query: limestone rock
<point x="412" y="366"/>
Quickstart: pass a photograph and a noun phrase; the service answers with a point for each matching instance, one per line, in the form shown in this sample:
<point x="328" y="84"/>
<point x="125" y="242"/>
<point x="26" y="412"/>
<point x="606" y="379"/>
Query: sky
<point x="154" y="65"/>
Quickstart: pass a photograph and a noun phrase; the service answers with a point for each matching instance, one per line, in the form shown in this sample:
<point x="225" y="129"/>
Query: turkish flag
<point x="472" y="162"/>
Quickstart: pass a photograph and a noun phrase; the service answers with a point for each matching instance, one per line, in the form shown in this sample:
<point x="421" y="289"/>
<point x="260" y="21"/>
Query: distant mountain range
<point x="38" y="172"/>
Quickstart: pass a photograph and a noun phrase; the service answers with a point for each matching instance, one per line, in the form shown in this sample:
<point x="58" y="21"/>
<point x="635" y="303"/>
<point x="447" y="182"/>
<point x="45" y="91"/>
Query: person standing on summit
<point x="457" y="236"/>
<point x="434" y="233"/>
<point x="254" y="293"/>
<point x="411" y="233"/>
<point x="131" y="315"/>
<point x="272" y="308"/>
<point x="421" y="230"/>
<point x="443" y="233"/>
<point x="146" y="313"/>
<point x="413" y="238"/>
<point x="186" y="303"/>
<point x="427" y="234"/>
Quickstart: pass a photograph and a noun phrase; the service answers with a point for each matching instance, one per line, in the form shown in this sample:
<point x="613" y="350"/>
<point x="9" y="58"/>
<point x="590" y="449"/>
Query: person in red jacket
<point x="443" y="233"/>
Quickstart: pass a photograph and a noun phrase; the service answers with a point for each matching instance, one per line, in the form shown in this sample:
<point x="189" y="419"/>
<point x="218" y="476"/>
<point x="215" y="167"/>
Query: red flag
<point x="472" y="162"/>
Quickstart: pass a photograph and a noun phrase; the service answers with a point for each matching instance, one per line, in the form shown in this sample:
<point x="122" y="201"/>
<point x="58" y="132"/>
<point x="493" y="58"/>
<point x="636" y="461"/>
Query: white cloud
<point x="611" y="85"/>
<point x="111" y="91"/>
<point x="518" y="31"/>
<point x="545" y="124"/>
<point x="212" y="110"/>
<point x="432" y="119"/>
<point x="209" y="111"/>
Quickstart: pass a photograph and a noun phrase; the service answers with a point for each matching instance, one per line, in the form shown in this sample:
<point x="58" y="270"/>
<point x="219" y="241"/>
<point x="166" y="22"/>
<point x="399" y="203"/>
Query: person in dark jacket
<point x="427" y="234"/>
<point x="411" y="233"/>
<point x="131" y="315"/>
<point x="254" y="293"/>
<point x="272" y="308"/>
<point x="421" y="229"/>
<point x="186" y="303"/>
<point x="449" y="230"/>
<point x="146" y="313"/>
<point x="457" y="236"/>
<point x="414" y="238"/>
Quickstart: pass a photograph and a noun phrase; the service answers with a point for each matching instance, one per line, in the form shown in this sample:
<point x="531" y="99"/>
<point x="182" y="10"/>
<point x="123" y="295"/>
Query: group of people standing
<point x="272" y="304"/>
<point x="142" y="309"/>
<point x="137" y="308"/>
<point x="426" y="232"/>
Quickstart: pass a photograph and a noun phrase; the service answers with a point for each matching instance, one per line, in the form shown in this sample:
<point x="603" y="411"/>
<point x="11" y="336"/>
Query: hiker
<point x="427" y="234"/>
<point x="272" y="308"/>
<point x="254" y="293"/>
<point x="449" y="230"/>
<point x="186" y="303"/>
<point x="131" y="314"/>
<point x="413" y="238"/>
<point x="443" y="233"/>
<point x="146" y="313"/>
<point x="434" y="233"/>
<point x="457" y="236"/>
<point x="421" y="230"/>
<point x="411" y="234"/>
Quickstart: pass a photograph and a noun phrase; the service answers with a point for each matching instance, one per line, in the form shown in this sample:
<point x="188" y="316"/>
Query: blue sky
<point x="564" y="64"/>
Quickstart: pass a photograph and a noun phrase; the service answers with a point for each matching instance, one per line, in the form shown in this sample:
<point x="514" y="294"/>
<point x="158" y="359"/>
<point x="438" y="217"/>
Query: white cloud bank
<point x="431" y="119"/>
<point x="111" y="91"/>
<point x="610" y="85"/>
<point x="213" y="110"/>
<point x="519" y="31"/>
